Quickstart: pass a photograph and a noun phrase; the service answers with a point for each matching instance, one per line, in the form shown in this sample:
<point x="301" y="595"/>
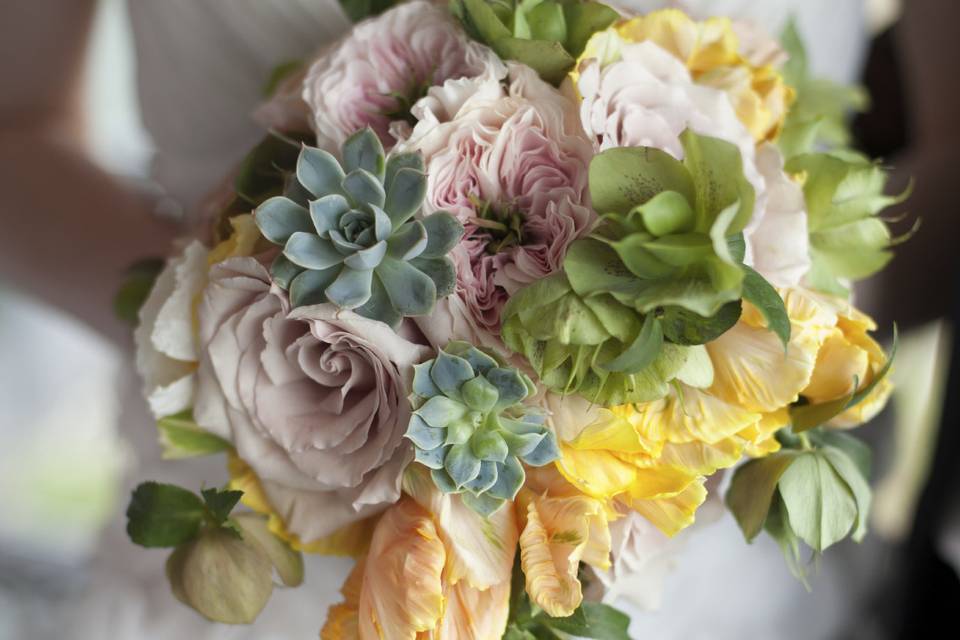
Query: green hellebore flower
<point x="351" y="240"/>
<point x="844" y="193"/>
<point x="546" y="35"/>
<point x="470" y="428"/>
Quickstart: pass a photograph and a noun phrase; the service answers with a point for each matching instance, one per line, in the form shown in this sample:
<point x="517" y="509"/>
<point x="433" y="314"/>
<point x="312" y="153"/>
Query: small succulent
<point x="349" y="238"/>
<point x="470" y="428"/>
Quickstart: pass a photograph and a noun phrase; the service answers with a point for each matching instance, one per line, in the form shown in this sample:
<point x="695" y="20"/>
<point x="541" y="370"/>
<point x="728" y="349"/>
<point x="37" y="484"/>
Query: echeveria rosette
<point x="546" y="35"/>
<point x="844" y="192"/>
<point x="351" y="240"/>
<point x="470" y="427"/>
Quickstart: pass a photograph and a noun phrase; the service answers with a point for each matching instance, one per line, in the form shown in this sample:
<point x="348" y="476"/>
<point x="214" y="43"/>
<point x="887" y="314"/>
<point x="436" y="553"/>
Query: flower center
<point x="502" y="225"/>
<point x="405" y="101"/>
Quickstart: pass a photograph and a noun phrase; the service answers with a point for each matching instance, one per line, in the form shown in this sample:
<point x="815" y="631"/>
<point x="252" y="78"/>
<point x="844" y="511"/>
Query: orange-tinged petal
<point x="402" y="591"/>
<point x="472" y="614"/>
<point x="479" y="550"/>
<point x="558" y="533"/>
<point x="343" y="619"/>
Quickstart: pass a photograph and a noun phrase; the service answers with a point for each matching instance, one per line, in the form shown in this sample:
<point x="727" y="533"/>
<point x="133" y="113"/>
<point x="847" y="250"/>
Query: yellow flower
<point x="849" y="356"/>
<point x="713" y="54"/>
<point x="242" y="241"/>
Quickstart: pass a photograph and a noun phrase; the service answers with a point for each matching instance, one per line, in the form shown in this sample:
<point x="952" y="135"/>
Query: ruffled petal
<point x="693" y="415"/>
<point x="671" y="515"/>
<point x="558" y="533"/>
<point x="472" y="614"/>
<point x="402" y="591"/>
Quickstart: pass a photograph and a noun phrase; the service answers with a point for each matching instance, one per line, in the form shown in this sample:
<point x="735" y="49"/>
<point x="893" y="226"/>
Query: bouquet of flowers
<point x="500" y="296"/>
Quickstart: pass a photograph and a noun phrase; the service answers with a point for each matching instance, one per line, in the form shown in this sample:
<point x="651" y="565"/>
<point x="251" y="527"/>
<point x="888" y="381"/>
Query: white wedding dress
<point x="201" y="66"/>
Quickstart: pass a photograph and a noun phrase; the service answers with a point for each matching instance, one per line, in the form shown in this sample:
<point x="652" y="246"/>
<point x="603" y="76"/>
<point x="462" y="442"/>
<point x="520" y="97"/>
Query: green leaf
<point x="140" y="278"/>
<point x="407" y="190"/>
<point x="220" y="503"/>
<point x="820" y="506"/>
<point x="807" y="416"/>
<point x="278" y="74"/>
<point x="716" y="169"/>
<point x="181" y="437"/>
<point x="265" y="170"/>
<point x="856" y="482"/>
<point x="548" y="59"/>
<point x="855" y="449"/>
<point x="482" y="22"/>
<point x="163" y="515"/>
<point x="624" y="177"/>
<point x="642" y="352"/>
<point x="685" y="327"/>
<point x="777" y="526"/>
<point x="592" y="620"/>
<point x="752" y="490"/>
<point x="443" y="233"/>
<point x="358" y="10"/>
<point x="319" y="172"/>
<point x="761" y="294"/>
<point x="583" y="20"/>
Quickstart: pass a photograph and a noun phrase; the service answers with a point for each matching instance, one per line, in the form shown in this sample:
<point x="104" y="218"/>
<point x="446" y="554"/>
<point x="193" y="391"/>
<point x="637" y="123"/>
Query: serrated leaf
<point x="220" y="503"/>
<point x="163" y="515"/>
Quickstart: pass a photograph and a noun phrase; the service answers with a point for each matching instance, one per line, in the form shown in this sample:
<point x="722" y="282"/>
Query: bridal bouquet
<point x="495" y="303"/>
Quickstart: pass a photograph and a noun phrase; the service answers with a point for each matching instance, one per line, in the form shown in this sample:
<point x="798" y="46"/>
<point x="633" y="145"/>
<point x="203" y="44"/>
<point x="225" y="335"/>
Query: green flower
<point x="470" y="428"/>
<point x="348" y="238"/>
<point x="546" y="35"/>
<point x="844" y="193"/>
<point x="595" y="346"/>
<point x="663" y="271"/>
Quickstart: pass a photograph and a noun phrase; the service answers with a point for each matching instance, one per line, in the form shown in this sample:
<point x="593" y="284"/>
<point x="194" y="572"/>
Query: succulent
<point x="349" y="238"/>
<point x="470" y="428"/>
<point x="546" y="35"/>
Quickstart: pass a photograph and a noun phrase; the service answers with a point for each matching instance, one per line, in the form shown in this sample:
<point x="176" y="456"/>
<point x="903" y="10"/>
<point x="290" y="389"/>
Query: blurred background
<point x="117" y="115"/>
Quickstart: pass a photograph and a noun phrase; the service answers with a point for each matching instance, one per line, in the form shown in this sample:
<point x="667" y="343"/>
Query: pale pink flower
<point x="383" y="66"/>
<point x="518" y="152"/>
<point x="313" y="399"/>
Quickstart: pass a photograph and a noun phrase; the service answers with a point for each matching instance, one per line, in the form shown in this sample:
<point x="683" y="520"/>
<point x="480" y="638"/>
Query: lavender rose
<point x="383" y="67"/>
<point x="313" y="399"/>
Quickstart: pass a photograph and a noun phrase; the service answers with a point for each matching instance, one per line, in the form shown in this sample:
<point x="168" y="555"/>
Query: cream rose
<point x="313" y="399"/>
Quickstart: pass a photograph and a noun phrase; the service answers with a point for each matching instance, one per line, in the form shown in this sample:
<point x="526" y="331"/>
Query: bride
<point x="201" y="66"/>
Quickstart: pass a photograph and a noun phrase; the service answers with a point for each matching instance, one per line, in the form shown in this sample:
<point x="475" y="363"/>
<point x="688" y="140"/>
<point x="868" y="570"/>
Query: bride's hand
<point x="68" y="229"/>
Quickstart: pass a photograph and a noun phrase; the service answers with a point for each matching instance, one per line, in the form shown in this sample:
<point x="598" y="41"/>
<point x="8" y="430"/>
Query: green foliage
<point x="844" y="193"/>
<point x="591" y="619"/>
<point x="181" y="437"/>
<point x="815" y="490"/>
<point x="822" y="108"/>
<point x="470" y="428"/>
<point x="353" y="242"/>
<point x="136" y="286"/>
<point x="546" y="35"/>
<point x="222" y="566"/>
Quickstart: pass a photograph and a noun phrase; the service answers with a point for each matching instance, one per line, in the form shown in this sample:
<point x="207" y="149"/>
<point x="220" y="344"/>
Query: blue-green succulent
<point x="471" y="428"/>
<point x="350" y="238"/>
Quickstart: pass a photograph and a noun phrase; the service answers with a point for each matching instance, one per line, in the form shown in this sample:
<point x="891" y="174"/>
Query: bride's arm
<point x="67" y="230"/>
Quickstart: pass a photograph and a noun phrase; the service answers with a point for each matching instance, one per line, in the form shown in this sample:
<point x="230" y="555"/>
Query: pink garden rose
<point x="511" y="163"/>
<point x="313" y="399"/>
<point x="383" y="66"/>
